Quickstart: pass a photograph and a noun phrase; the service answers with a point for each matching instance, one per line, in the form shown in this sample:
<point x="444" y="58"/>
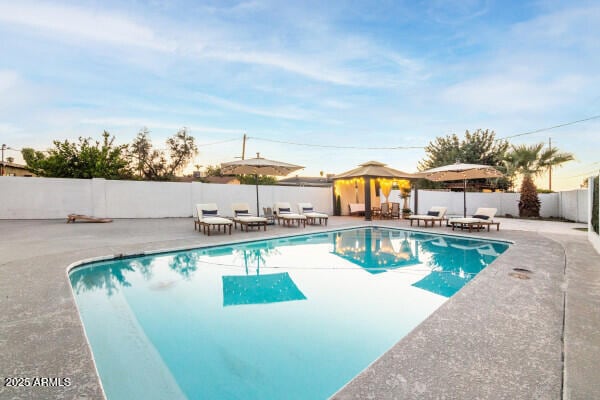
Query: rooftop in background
<point x="13" y="169"/>
<point x="319" y="181"/>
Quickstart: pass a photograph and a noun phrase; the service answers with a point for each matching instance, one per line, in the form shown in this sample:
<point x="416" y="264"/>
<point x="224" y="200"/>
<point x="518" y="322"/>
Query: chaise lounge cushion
<point x="283" y="210"/>
<point x="209" y="214"/>
<point x="482" y="215"/>
<point x="435" y="213"/>
<point x="308" y="210"/>
<point x="242" y="214"/>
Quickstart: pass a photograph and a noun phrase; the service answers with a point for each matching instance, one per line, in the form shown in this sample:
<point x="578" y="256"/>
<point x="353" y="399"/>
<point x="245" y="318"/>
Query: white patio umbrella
<point x="461" y="172"/>
<point x="258" y="166"/>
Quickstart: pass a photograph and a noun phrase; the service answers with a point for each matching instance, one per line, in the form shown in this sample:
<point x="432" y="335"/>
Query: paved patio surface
<point x="498" y="338"/>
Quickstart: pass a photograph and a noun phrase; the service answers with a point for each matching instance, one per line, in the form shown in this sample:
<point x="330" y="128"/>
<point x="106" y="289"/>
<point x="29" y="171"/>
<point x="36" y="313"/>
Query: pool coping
<point x="78" y="361"/>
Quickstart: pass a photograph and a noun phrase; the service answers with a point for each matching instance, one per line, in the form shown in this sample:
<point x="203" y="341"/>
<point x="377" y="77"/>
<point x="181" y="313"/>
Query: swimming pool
<point x="291" y="318"/>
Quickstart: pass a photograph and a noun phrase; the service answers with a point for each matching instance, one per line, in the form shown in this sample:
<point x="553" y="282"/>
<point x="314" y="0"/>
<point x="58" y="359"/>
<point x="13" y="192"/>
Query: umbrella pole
<point x="256" y="178"/>
<point x="465" y="198"/>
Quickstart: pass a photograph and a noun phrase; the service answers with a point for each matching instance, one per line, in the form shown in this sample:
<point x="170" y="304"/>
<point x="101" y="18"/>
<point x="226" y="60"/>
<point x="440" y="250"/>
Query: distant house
<point x="12" y="169"/>
<point x="317" y="181"/>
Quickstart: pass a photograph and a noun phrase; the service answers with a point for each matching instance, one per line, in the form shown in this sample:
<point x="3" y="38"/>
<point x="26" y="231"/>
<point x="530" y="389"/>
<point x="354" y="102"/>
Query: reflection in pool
<point x="295" y="318"/>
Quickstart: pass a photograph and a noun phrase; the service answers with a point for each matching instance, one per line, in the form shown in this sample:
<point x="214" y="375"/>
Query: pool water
<point x="293" y="318"/>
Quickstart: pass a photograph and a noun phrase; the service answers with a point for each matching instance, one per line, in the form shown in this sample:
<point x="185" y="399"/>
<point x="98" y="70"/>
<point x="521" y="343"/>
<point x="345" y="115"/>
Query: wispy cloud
<point x="8" y="79"/>
<point x="456" y="12"/>
<point x="542" y="65"/>
<point x="80" y="24"/>
<point x="74" y="24"/>
<point x="501" y="94"/>
<point x="138" y="123"/>
<point x="292" y="113"/>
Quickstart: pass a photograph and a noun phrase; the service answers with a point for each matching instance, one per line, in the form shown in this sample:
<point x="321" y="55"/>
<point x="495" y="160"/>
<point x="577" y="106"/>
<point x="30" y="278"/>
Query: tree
<point x="530" y="161"/>
<point x="529" y="202"/>
<point x="154" y="164"/>
<point x="479" y="147"/>
<point x="553" y="158"/>
<point x="251" y="179"/>
<point x="213" y="170"/>
<point x="85" y="159"/>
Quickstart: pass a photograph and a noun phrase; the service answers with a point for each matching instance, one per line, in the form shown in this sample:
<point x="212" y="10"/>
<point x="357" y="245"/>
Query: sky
<point x="392" y="74"/>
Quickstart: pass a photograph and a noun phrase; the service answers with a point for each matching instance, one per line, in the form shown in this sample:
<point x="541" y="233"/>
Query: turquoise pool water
<point x="292" y="318"/>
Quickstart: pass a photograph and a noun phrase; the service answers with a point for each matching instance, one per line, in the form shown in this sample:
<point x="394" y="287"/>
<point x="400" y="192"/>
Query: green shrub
<point x="338" y="206"/>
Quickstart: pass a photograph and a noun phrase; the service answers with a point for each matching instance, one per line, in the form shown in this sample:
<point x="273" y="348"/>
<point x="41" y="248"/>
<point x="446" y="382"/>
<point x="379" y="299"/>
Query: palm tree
<point x="553" y="158"/>
<point x="530" y="161"/>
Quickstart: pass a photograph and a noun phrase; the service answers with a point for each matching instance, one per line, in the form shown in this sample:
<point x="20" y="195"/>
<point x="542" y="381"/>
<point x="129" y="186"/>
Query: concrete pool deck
<point x="500" y="337"/>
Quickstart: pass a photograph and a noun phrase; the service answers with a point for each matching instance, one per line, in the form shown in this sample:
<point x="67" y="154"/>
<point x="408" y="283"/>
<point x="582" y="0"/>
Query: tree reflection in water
<point x="254" y="257"/>
<point x="108" y="277"/>
<point x="111" y="276"/>
<point x="185" y="264"/>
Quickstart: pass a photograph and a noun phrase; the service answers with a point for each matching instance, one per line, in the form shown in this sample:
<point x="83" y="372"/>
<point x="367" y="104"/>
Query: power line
<point x="582" y="174"/>
<point x="219" y="142"/>
<point x="550" y="128"/>
<point x="335" y="146"/>
<point x="421" y="147"/>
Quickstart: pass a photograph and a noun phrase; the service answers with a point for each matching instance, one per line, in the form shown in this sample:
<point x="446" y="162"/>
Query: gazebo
<point x="361" y="184"/>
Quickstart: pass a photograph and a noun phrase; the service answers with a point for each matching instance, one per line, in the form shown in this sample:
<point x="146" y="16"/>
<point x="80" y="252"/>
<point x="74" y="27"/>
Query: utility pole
<point x="550" y="166"/>
<point x="244" y="147"/>
<point x="3" y="148"/>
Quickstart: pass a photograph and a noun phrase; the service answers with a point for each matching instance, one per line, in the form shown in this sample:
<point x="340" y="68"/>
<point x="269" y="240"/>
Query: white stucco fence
<point x="47" y="198"/>
<point x="571" y="205"/>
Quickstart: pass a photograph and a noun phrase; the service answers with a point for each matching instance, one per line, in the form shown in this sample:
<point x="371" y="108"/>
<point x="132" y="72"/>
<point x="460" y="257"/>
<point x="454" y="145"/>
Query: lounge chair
<point x="395" y="211"/>
<point x="311" y="215"/>
<point x="356" y="208"/>
<point x="385" y="211"/>
<point x="483" y="217"/>
<point x="208" y="217"/>
<point x="268" y="213"/>
<point x="283" y="214"/>
<point x="242" y="216"/>
<point x="434" y="214"/>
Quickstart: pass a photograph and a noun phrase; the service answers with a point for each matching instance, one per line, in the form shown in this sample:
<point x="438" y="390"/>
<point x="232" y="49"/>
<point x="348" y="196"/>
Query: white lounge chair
<point x="434" y="214"/>
<point x="207" y="216"/>
<point x="312" y="216"/>
<point x="356" y="208"/>
<point x="242" y="216"/>
<point x="483" y="217"/>
<point x="283" y="213"/>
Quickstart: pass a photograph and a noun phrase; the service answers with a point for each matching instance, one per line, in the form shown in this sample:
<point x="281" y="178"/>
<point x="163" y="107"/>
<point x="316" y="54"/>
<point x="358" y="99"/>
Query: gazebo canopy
<point x="377" y="170"/>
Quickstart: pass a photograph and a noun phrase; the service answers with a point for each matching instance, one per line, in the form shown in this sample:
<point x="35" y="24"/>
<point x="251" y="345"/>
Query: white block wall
<point x="33" y="198"/>
<point x="48" y="198"/>
<point x="574" y="204"/>
<point x="570" y="205"/>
